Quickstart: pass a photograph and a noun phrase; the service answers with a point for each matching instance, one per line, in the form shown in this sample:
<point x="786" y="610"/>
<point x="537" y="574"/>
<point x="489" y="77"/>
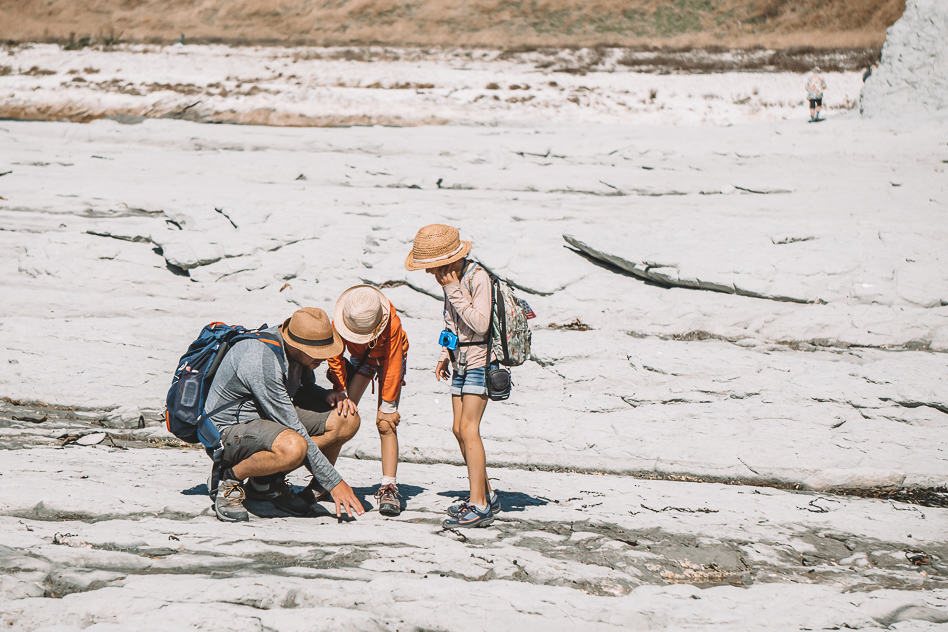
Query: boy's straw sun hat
<point x="361" y="314"/>
<point x="436" y="245"/>
<point x="310" y="331"/>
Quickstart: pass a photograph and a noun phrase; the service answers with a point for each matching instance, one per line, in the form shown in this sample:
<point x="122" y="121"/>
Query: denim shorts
<point x="365" y="369"/>
<point x="474" y="382"/>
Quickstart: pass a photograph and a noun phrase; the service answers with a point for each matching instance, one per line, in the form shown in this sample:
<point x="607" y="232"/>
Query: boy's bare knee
<point x="385" y="427"/>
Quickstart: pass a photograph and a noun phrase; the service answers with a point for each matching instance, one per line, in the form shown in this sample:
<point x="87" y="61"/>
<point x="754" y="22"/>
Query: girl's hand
<point x="446" y="275"/>
<point x="441" y="370"/>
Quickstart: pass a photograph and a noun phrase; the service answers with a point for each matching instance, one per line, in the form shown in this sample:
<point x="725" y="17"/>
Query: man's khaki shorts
<point x="245" y="439"/>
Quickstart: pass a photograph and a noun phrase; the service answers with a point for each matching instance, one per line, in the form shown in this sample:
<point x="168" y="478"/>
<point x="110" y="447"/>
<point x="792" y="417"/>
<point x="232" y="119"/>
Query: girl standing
<point x="438" y="250"/>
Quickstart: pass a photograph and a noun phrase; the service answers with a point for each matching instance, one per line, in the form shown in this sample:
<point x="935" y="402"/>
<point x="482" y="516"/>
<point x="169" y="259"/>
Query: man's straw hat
<point x="361" y="314"/>
<point x="436" y="245"/>
<point x="310" y="331"/>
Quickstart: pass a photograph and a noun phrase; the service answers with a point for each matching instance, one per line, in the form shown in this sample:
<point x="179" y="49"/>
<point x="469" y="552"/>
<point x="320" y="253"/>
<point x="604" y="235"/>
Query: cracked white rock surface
<point x="841" y="392"/>
<point x="113" y="255"/>
<point x="599" y="552"/>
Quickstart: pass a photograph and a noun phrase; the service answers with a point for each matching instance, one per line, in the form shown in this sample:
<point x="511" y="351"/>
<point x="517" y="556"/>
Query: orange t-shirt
<point x="388" y="355"/>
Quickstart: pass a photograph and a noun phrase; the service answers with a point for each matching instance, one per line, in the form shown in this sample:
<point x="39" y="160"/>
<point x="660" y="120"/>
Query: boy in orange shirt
<point x="378" y="347"/>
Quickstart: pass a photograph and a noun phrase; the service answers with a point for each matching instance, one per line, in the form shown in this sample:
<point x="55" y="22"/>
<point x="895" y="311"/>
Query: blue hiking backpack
<point x="185" y="415"/>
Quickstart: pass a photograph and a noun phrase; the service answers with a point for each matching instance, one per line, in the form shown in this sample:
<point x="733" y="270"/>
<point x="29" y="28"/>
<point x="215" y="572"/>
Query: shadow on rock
<point x="367" y="494"/>
<point x="262" y="508"/>
<point x="509" y="501"/>
<point x="266" y="509"/>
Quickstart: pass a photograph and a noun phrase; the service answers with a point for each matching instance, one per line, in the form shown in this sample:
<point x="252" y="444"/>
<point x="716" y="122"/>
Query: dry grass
<point x="505" y="24"/>
<point x="79" y="113"/>
<point x="790" y="59"/>
<point x="36" y="71"/>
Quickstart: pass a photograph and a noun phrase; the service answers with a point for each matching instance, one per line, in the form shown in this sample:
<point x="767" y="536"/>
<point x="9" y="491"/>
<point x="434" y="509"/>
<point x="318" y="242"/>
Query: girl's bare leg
<point x="456" y="406"/>
<point x="456" y="426"/>
<point x="472" y="409"/>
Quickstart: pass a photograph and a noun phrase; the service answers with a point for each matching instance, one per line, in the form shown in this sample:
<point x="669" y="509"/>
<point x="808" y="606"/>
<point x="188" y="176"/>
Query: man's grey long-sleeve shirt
<point x="254" y="383"/>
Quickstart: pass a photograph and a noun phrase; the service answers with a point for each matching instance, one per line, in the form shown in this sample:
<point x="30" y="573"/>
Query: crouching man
<point x="273" y="418"/>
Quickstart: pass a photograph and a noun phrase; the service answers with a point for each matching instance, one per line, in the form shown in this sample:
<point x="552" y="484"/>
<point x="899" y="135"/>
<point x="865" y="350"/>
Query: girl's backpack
<point x="509" y="330"/>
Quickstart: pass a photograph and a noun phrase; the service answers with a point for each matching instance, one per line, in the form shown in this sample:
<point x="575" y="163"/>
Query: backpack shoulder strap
<point x="468" y="276"/>
<point x="502" y="317"/>
<point x="272" y="340"/>
<point x="274" y="343"/>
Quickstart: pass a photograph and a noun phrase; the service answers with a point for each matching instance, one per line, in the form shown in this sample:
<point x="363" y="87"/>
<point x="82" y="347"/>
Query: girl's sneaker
<point x="455" y="508"/>
<point x="469" y="516"/>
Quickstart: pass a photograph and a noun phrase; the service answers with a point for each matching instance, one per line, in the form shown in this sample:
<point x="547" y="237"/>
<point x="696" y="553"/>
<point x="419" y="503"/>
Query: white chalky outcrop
<point x="912" y="78"/>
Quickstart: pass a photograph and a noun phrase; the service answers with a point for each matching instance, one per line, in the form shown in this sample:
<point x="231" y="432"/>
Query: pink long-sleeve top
<point x="467" y="313"/>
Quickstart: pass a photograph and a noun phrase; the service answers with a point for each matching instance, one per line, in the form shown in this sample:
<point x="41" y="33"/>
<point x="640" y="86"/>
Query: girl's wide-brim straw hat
<point x="310" y="331"/>
<point x="362" y="313"/>
<point x="436" y="245"/>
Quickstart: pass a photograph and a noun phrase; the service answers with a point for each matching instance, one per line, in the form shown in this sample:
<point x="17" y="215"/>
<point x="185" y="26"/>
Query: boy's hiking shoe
<point x="275" y="489"/>
<point x="455" y="508"/>
<point x="389" y="500"/>
<point x="229" y="502"/>
<point x="469" y="516"/>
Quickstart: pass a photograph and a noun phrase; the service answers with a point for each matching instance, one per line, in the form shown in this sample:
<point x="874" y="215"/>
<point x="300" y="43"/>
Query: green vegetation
<point x="681" y="16"/>
<point x="670" y="19"/>
<point x="554" y="22"/>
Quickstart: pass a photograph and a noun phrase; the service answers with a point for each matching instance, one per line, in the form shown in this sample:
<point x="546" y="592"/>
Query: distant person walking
<point x="378" y="348"/>
<point x="438" y="250"/>
<point x="815" y="85"/>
